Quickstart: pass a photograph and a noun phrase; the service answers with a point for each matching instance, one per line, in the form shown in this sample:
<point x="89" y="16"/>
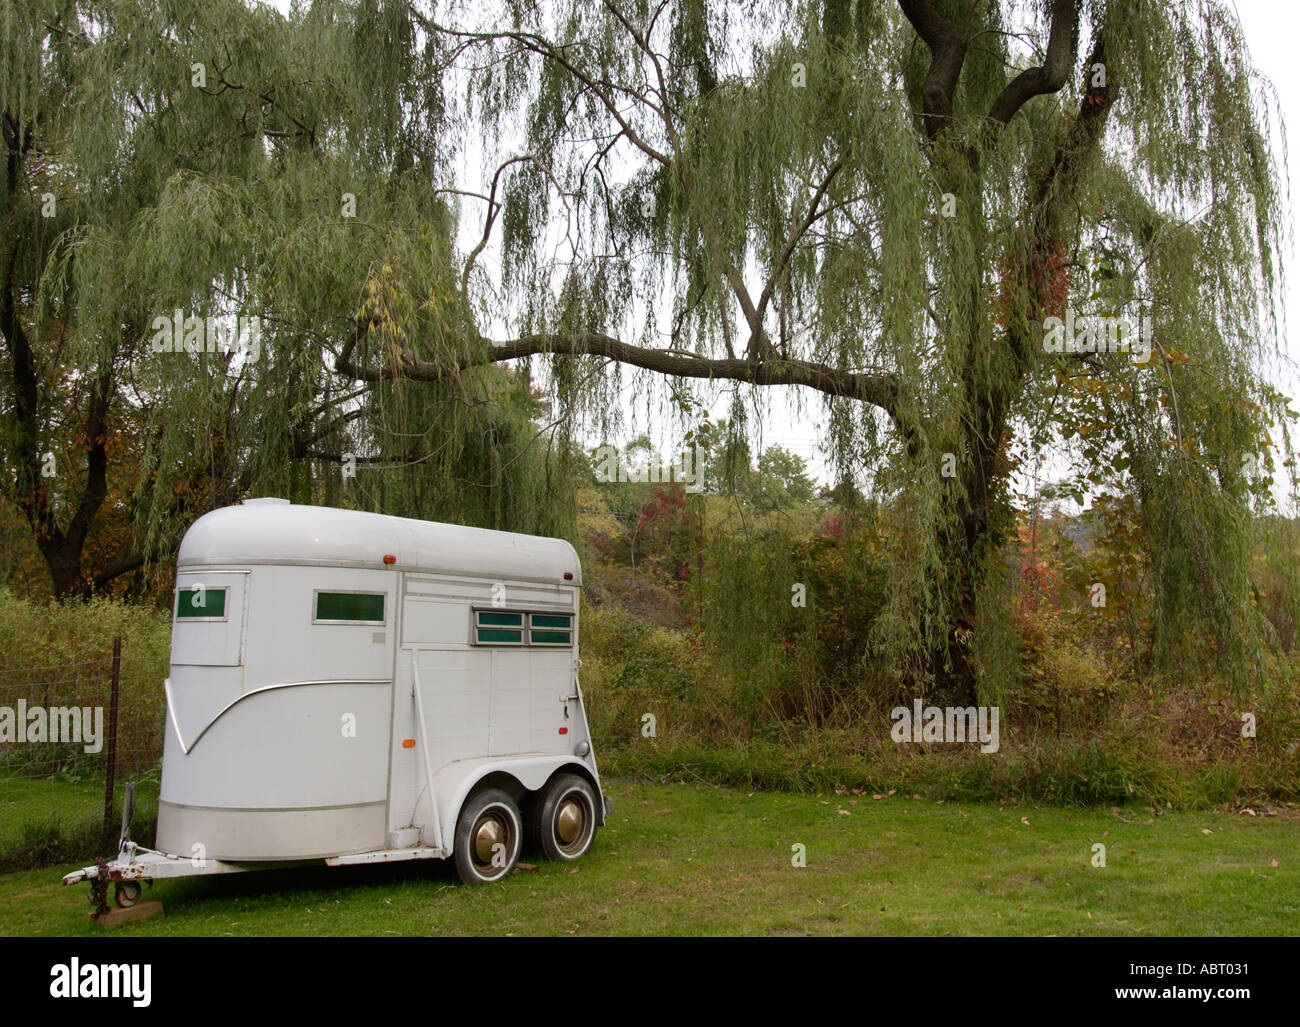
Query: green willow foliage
<point x="222" y="160"/>
<point x="672" y="148"/>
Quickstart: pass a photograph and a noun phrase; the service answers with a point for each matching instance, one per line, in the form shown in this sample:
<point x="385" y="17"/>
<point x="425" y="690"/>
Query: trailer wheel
<point x="488" y="837"/>
<point x="566" y="822"/>
<point x="126" y="894"/>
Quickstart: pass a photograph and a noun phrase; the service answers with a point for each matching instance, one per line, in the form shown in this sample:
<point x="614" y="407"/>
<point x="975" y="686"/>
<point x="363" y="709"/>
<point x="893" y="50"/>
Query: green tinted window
<point x="501" y="620"/>
<point x="197" y="601"/>
<point x="495" y="627"/>
<point x="551" y="637"/>
<point x="354" y="606"/>
<point x="550" y="629"/>
<point x="499" y="636"/>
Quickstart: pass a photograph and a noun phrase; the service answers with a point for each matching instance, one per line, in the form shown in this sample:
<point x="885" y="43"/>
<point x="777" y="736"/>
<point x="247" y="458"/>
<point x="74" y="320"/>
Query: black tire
<point x="488" y="819"/>
<point x="532" y="812"/>
<point x="566" y="820"/>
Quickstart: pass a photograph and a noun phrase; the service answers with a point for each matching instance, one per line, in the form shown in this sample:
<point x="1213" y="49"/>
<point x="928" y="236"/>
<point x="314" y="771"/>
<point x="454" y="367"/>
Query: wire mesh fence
<point x="71" y="735"/>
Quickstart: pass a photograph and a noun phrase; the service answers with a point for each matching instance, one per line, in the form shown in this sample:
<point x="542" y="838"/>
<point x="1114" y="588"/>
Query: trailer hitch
<point x="99" y="888"/>
<point x="99" y="883"/>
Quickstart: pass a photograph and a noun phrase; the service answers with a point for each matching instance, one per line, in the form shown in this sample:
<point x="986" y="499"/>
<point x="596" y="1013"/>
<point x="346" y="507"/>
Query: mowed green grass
<point x="691" y="859"/>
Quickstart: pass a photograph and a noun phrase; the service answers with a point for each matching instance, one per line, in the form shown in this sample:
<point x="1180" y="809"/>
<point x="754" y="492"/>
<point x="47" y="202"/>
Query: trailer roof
<point x="275" y="531"/>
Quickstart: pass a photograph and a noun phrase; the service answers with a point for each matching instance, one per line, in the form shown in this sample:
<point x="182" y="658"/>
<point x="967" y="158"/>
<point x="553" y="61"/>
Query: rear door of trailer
<point x="481" y="693"/>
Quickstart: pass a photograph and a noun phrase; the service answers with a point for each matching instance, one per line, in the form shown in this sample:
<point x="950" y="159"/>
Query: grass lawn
<point x="692" y="859"/>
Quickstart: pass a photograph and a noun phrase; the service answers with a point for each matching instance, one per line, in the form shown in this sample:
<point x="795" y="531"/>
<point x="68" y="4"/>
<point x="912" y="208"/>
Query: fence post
<point x="111" y="770"/>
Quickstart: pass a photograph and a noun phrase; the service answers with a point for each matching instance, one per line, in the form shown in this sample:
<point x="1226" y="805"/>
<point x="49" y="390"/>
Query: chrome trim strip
<point x="267" y="809"/>
<point x="186" y="748"/>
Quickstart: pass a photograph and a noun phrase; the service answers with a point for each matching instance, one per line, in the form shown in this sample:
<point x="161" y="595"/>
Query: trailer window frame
<point x="476" y="626"/>
<point x="528" y="633"/>
<point x="316" y="593"/>
<point x="208" y="590"/>
<point x="534" y="630"/>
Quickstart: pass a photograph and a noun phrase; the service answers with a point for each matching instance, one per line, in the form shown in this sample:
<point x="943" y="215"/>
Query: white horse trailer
<point x="355" y="688"/>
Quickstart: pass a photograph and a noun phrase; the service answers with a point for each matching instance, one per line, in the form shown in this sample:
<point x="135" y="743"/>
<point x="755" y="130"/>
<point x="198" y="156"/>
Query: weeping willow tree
<point x="885" y="205"/>
<point x="205" y="205"/>
<point x="880" y="206"/>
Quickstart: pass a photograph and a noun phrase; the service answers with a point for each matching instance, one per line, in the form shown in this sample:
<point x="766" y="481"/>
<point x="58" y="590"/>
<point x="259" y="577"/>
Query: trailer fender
<point x="454" y="782"/>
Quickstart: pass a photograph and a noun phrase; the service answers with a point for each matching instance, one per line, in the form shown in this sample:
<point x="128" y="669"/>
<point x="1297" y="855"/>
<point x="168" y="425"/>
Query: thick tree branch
<point x="128" y="562"/>
<point x="880" y="388"/>
<point x="1055" y="190"/>
<point x="96" y="490"/>
<point x="947" y="53"/>
<point x="30" y="492"/>
<point x="1055" y="70"/>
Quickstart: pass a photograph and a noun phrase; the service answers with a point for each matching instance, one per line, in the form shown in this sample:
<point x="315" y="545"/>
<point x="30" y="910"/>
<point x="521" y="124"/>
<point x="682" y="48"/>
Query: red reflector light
<point x="389" y="558"/>
<point x="568" y="575"/>
<point x="564" y="730"/>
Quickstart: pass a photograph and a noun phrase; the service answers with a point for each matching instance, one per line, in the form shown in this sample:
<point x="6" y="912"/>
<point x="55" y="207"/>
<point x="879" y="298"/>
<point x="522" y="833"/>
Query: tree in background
<point x="886" y="204"/>
<point x="172" y="165"/>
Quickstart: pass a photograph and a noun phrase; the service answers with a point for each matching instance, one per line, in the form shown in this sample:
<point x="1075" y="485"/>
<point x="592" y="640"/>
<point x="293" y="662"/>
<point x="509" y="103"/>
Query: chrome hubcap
<point x="489" y="834"/>
<point x="568" y="822"/>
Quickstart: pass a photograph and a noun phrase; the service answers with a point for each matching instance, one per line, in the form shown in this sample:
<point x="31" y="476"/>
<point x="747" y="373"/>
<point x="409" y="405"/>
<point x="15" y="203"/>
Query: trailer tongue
<point x="137" y="864"/>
